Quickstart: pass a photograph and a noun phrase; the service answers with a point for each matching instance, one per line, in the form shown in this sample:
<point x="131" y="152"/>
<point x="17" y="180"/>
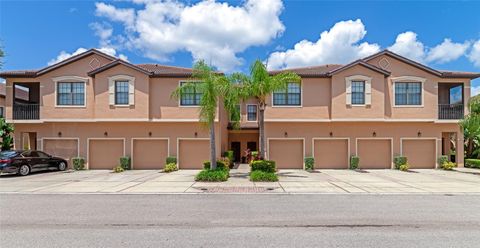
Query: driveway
<point x="291" y="181"/>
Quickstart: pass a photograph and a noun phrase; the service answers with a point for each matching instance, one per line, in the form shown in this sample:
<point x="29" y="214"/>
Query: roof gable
<point x="361" y="63"/>
<point x="115" y="63"/>
<point x="404" y="60"/>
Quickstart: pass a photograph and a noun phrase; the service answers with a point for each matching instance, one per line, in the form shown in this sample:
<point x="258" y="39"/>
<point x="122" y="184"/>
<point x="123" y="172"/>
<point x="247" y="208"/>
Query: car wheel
<point x="62" y="166"/>
<point x="24" y="170"/>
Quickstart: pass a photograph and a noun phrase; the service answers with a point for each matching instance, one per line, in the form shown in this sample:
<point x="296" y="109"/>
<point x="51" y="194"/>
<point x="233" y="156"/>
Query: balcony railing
<point x="23" y="111"/>
<point x="450" y="111"/>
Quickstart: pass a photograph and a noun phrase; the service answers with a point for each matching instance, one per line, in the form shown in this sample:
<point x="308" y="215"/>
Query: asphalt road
<point x="239" y="221"/>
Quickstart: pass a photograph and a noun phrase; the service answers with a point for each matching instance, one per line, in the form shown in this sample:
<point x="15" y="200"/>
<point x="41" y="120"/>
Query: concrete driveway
<point x="291" y="181"/>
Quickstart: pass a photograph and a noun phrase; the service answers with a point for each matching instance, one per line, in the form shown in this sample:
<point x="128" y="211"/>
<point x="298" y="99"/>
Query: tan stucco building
<point x="100" y="107"/>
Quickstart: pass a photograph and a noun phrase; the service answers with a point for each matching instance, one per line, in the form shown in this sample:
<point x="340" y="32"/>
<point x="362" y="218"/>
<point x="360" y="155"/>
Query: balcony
<point x="25" y="111"/>
<point x="450" y="111"/>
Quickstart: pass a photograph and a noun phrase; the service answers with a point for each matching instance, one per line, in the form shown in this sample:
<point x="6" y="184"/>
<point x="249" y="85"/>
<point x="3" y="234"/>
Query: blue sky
<point x="232" y="34"/>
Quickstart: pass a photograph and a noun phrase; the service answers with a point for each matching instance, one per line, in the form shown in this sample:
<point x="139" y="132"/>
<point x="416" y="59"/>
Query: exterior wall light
<point x="374" y="134"/>
<point x="419" y="134"/>
<point x="331" y="134"/>
<point x="59" y="134"/>
<point x="285" y="134"/>
<point x="105" y="134"/>
<point x="150" y="134"/>
<point x="196" y="134"/>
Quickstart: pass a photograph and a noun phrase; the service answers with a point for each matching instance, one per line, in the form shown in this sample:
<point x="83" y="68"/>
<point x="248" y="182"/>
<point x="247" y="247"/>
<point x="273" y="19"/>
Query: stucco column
<point x="460" y="153"/>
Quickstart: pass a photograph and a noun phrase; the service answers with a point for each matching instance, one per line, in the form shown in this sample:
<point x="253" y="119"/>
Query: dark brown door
<point x="236" y="150"/>
<point x="252" y="145"/>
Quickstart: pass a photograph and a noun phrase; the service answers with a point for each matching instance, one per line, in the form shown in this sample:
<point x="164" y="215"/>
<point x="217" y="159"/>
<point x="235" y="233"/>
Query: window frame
<point x="364" y="82"/>
<point x="71" y="79"/>
<point x="256" y="112"/>
<point x="409" y="79"/>
<point x="180" y="98"/>
<point x="300" y="105"/>
<point x="115" y="92"/>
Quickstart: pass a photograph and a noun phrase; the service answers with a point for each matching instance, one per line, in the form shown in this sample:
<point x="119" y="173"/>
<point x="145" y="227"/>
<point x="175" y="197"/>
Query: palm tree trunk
<point x="261" y="129"/>
<point x="213" y="152"/>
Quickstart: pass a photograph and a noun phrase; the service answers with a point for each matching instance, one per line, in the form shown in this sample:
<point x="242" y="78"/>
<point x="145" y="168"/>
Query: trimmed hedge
<point x="78" y="163"/>
<point x="399" y="161"/>
<point x="171" y="160"/>
<point x="125" y="163"/>
<point x="354" y="161"/>
<point x="261" y="176"/>
<point x="309" y="163"/>
<point x="220" y="165"/>
<point x="217" y="175"/>
<point x="263" y="165"/>
<point x="472" y="163"/>
<point x="170" y="168"/>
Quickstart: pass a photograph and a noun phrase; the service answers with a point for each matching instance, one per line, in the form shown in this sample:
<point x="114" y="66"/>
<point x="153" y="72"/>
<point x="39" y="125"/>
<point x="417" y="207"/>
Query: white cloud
<point x="338" y="45"/>
<point x="475" y="90"/>
<point x="209" y="30"/>
<point x="408" y="45"/>
<point x="65" y="55"/>
<point x="103" y="30"/>
<point x="474" y="55"/>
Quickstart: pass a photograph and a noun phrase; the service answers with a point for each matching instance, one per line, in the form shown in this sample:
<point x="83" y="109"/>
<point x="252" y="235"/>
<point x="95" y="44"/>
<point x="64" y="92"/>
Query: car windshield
<point x="8" y="154"/>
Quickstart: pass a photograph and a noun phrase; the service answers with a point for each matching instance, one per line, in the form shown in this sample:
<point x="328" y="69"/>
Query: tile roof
<point x="166" y="70"/>
<point x="310" y="71"/>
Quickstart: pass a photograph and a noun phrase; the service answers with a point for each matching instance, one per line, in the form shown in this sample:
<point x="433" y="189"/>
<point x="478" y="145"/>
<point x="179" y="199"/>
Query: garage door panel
<point x="331" y="154"/>
<point x="375" y="154"/>
<point x="192" y="153"/>
<point x="149" y="154"/>
<point x="104" y="154"/>
<point x="288" y="154"/>
<point x="421" y="154"/>
<point x="63" y="148"/>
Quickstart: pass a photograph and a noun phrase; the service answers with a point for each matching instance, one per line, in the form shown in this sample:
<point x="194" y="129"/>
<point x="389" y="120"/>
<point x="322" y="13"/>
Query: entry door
<point x="252" y="145"/>
<point x="236" y="151"/>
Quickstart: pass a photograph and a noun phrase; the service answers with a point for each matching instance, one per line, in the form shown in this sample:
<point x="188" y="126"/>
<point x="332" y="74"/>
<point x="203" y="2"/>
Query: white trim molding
<point x="409" y="79"/>
<point x="71" y="79"/>
<point x="88" y="147"/>
<point x="131" y="90"/>
<point x="332" y="138"/>
<point x="287" y="138"/>
<point x="376" y="138"/>
<point x="367" y="91"/>
<point x="422" y="138"/>
<point x="147" y="138"/>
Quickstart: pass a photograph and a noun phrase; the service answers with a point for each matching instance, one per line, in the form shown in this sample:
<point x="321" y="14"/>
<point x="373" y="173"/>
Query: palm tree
<point x="471" y="128"/>
<point x="260" y="84"/>
<point x="214" y="87"/>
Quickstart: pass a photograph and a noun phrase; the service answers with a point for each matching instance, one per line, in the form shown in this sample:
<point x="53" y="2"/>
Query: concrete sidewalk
<point x="291" y="181"/>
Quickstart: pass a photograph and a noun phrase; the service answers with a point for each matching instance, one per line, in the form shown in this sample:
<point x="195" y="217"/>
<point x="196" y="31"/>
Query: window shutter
<point x="348" y="91"/>
<point x="111" y="92"/>
<point x="368" y="92"/>
<point x="131" y="92"/>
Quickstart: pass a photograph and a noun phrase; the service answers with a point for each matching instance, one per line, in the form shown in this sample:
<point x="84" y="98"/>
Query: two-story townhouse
<point x="101" y="108"/>
<point x="376" y="108"/>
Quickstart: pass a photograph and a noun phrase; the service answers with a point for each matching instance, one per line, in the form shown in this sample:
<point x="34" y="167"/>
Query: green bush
<point x="442" y="160"/>
<point x="399" y="161"/>
<point x="217" y="175"/>
<point x="472" y="163"/>
<point x="254" y="154"/>
<point x="261" y="176"/>
<point x="125" y="163"/>
<point x="448" y="166"/>
<point x="118" y="169"/>
<point x="171" y="160"/>
<point x="263" y="165"/>
<point x="78" y="163"/>
<point x="170" y="168"/>
<point x="220" y="164"/>
<point x="309" y="163"/>
<point x="229" y="154"/>
<point x="404" y="167"/>
<point x="354" y="161"/>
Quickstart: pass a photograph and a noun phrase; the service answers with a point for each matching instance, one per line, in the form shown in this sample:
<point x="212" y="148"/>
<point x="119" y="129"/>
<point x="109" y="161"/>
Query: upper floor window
<point x="71" y="93"/>
<point x="121" y="90"/>
<point x="251" y="112"/>
<point x="358" y="92"/>
<point x="291" y="96"/>
<point x="190" y="96"/>
<point x="121" y="93"/>
<point x="408" y="93"/>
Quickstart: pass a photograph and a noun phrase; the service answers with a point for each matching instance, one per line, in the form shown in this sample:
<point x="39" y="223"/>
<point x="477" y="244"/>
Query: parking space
<point x="291" y="181"/>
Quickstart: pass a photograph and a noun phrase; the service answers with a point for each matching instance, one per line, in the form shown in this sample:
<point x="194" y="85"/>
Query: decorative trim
<point x="377" y="138"/>
<point x="147" y="138"/>
<point x="367" y="90"/>
<point x="332" y="138"/>
<point x="293" y="138"/>
<point x="131" y="86"/>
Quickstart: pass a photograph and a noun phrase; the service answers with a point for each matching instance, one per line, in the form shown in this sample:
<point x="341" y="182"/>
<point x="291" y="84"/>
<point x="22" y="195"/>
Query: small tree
<point x="6" y="130"/>
<point x="471" y="129"/>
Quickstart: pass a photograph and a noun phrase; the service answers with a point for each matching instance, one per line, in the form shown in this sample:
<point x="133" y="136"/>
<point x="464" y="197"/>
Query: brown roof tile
<point x="166" y="70"/>
<point x="310" y="71"/>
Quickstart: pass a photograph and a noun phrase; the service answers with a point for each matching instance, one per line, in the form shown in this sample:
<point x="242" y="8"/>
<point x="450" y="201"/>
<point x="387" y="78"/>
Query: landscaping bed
<point x="472" y="163"/>
<point x="219" y="174"/>
<point x="263" y="171"/>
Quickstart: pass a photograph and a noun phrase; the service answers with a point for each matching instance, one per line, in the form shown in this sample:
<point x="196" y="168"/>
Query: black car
<point x="24" y="162"/>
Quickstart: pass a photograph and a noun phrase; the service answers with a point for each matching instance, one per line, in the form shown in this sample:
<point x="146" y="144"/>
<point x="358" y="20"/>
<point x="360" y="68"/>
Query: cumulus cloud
<point x="104" y="31"/>
<point x="209" y="30"/>
<point x="474" y="55"/>
<point x="408" y="45"/>
<point x="341" y="44"/>
<point x="65" y="55"/>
